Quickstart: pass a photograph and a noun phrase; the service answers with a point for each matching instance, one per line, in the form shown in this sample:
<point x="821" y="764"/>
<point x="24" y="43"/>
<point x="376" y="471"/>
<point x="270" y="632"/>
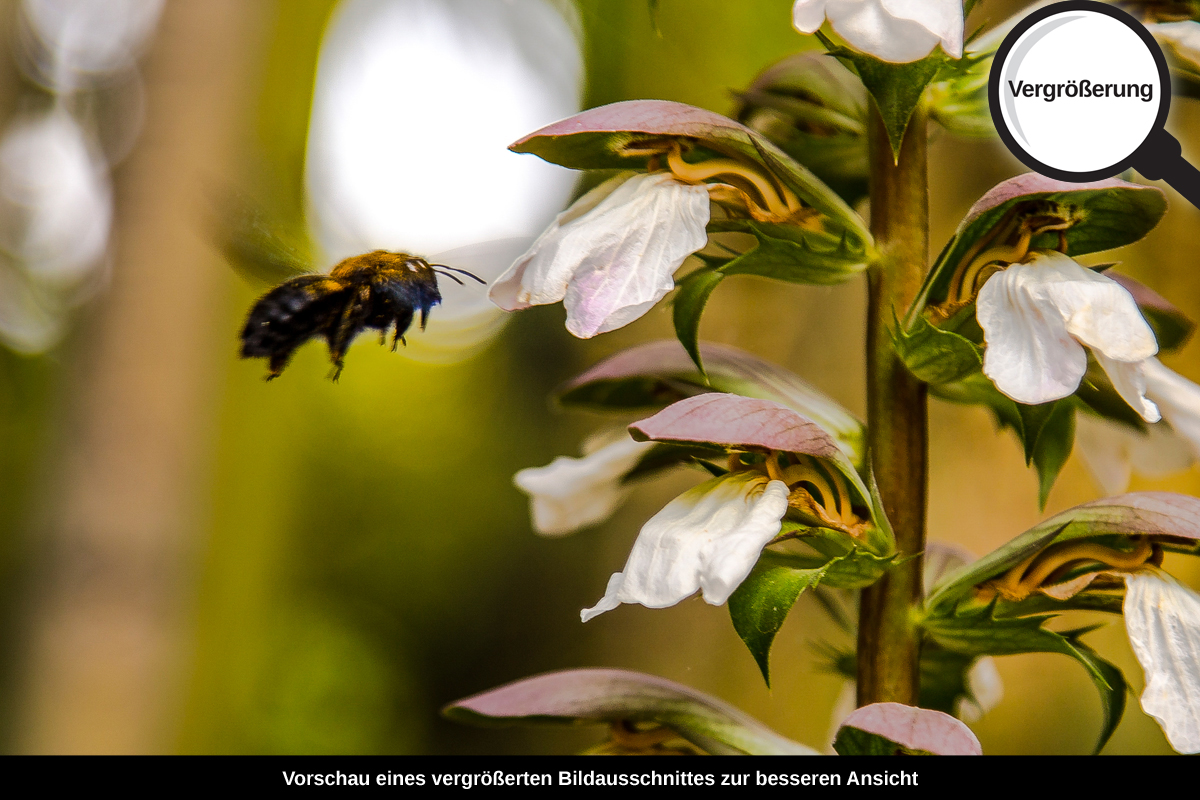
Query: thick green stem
<point x="897" y="420"/>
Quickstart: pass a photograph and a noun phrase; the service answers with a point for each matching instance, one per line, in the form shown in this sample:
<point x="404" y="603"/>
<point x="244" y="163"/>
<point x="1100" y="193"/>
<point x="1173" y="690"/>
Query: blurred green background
<point x="194" y="560"/>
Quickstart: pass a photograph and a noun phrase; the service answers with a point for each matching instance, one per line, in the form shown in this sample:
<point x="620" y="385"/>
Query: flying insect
<point x="379" y="290"/>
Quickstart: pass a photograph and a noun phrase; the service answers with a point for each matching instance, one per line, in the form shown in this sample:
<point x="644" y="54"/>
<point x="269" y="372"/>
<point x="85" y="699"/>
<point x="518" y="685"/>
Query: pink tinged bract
<point x="919" y="729"/>
<point x="611" y="256"/>
<point x="1162" y="618"/>
<point x="733" y="420"/>
<point x="892" y="30"/>
<point x="707" y="539"/>
<point x="1036" y="318"/>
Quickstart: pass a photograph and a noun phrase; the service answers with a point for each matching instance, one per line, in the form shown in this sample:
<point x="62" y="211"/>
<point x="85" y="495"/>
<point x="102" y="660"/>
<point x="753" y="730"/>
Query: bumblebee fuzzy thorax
<point x="380" y="290"/>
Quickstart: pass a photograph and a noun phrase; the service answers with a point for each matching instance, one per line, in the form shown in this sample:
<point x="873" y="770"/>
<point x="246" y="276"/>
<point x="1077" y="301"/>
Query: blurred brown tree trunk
<point x="107" y="644"/>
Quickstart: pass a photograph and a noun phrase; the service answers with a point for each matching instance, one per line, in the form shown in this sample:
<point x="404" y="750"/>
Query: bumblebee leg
<point x="350" y="324"/>
<point x="403" y="320"/>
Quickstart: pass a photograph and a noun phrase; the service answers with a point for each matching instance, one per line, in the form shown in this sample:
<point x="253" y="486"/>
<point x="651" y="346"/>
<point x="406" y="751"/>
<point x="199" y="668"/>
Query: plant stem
<point x="888" y="646"/>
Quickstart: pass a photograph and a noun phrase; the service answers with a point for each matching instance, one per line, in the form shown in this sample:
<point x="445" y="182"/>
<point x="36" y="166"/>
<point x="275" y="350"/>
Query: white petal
<point x="1034" y="317"/>
<point x="1112" y="451"/>
<point x="538" y="277"/>
<point x="633" y="243"/>
<point x="707" y="539"/>
<point x="571" y="493"/>
<point x="1162" y="618"/>
<point x="1029" y="356"/>
<point x="893" y="30"/>
<point x="807" y="15"/>
<point x="1178" y="399"/>
<point x="1129" y="380"/>
<point x="1098" y="311"/>
<point x="942" y="18"/>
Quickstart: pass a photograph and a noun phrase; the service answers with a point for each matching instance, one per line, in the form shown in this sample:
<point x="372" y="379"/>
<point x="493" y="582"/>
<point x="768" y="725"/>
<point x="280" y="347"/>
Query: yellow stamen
<point x="775" y="201"/>
<point x="1027" y="577"/>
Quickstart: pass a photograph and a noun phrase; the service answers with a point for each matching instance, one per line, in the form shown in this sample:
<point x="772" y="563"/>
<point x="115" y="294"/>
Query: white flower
<point x="1036" y="318"/>
<point x="572" y="493"/>
<point x="893" y="30"/>
<point x="611" y="255"/>
<point x="1162" y="618"/>
<point x="1113" y="451"/>
<point x="707" y="539"/>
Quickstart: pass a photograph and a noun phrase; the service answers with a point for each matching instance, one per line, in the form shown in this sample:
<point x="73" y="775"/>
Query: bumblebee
<point x="380" y="290"/>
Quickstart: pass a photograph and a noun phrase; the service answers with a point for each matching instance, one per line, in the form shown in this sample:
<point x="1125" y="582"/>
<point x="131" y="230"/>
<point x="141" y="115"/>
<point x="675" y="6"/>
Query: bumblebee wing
<point x="259" y="245"/>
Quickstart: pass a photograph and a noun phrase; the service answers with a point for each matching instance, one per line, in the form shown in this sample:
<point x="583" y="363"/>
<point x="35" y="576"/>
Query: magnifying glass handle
<point x="1161" y="158"/>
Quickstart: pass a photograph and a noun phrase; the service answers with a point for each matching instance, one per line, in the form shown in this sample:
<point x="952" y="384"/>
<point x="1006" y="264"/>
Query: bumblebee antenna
<point x="450" y="276"/>
<point x="471" y="275"/>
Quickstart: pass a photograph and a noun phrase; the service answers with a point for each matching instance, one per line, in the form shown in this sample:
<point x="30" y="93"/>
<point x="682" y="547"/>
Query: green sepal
<point x="933" y="355"/>
<point x="1053" y="446"/>
<point x="895" y="88"/>
<point x="760" y="605"/>
<point x="978" y="632"/>
<point x="688" y="306"/>
<point x="793" y="254"/>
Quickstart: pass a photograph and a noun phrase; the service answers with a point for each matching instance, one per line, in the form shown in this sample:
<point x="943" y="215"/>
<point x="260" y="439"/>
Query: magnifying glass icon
<point x="1080" y="92"/>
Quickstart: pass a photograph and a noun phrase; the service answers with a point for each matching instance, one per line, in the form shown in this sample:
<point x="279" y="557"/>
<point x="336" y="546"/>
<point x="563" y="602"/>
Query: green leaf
<point x="1110" y="683"/>
<point x="977" y="632"/>
<point x="760" y="605"/>
<point x="1103" y="216"/>
<point x="1053" y="446"/>
<point x="936" y="356"/>
<point x="688" y="306"/>
<point x="856" y="570"/>
<point x="896" y="88"/>
<point x="792" y="254"/>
